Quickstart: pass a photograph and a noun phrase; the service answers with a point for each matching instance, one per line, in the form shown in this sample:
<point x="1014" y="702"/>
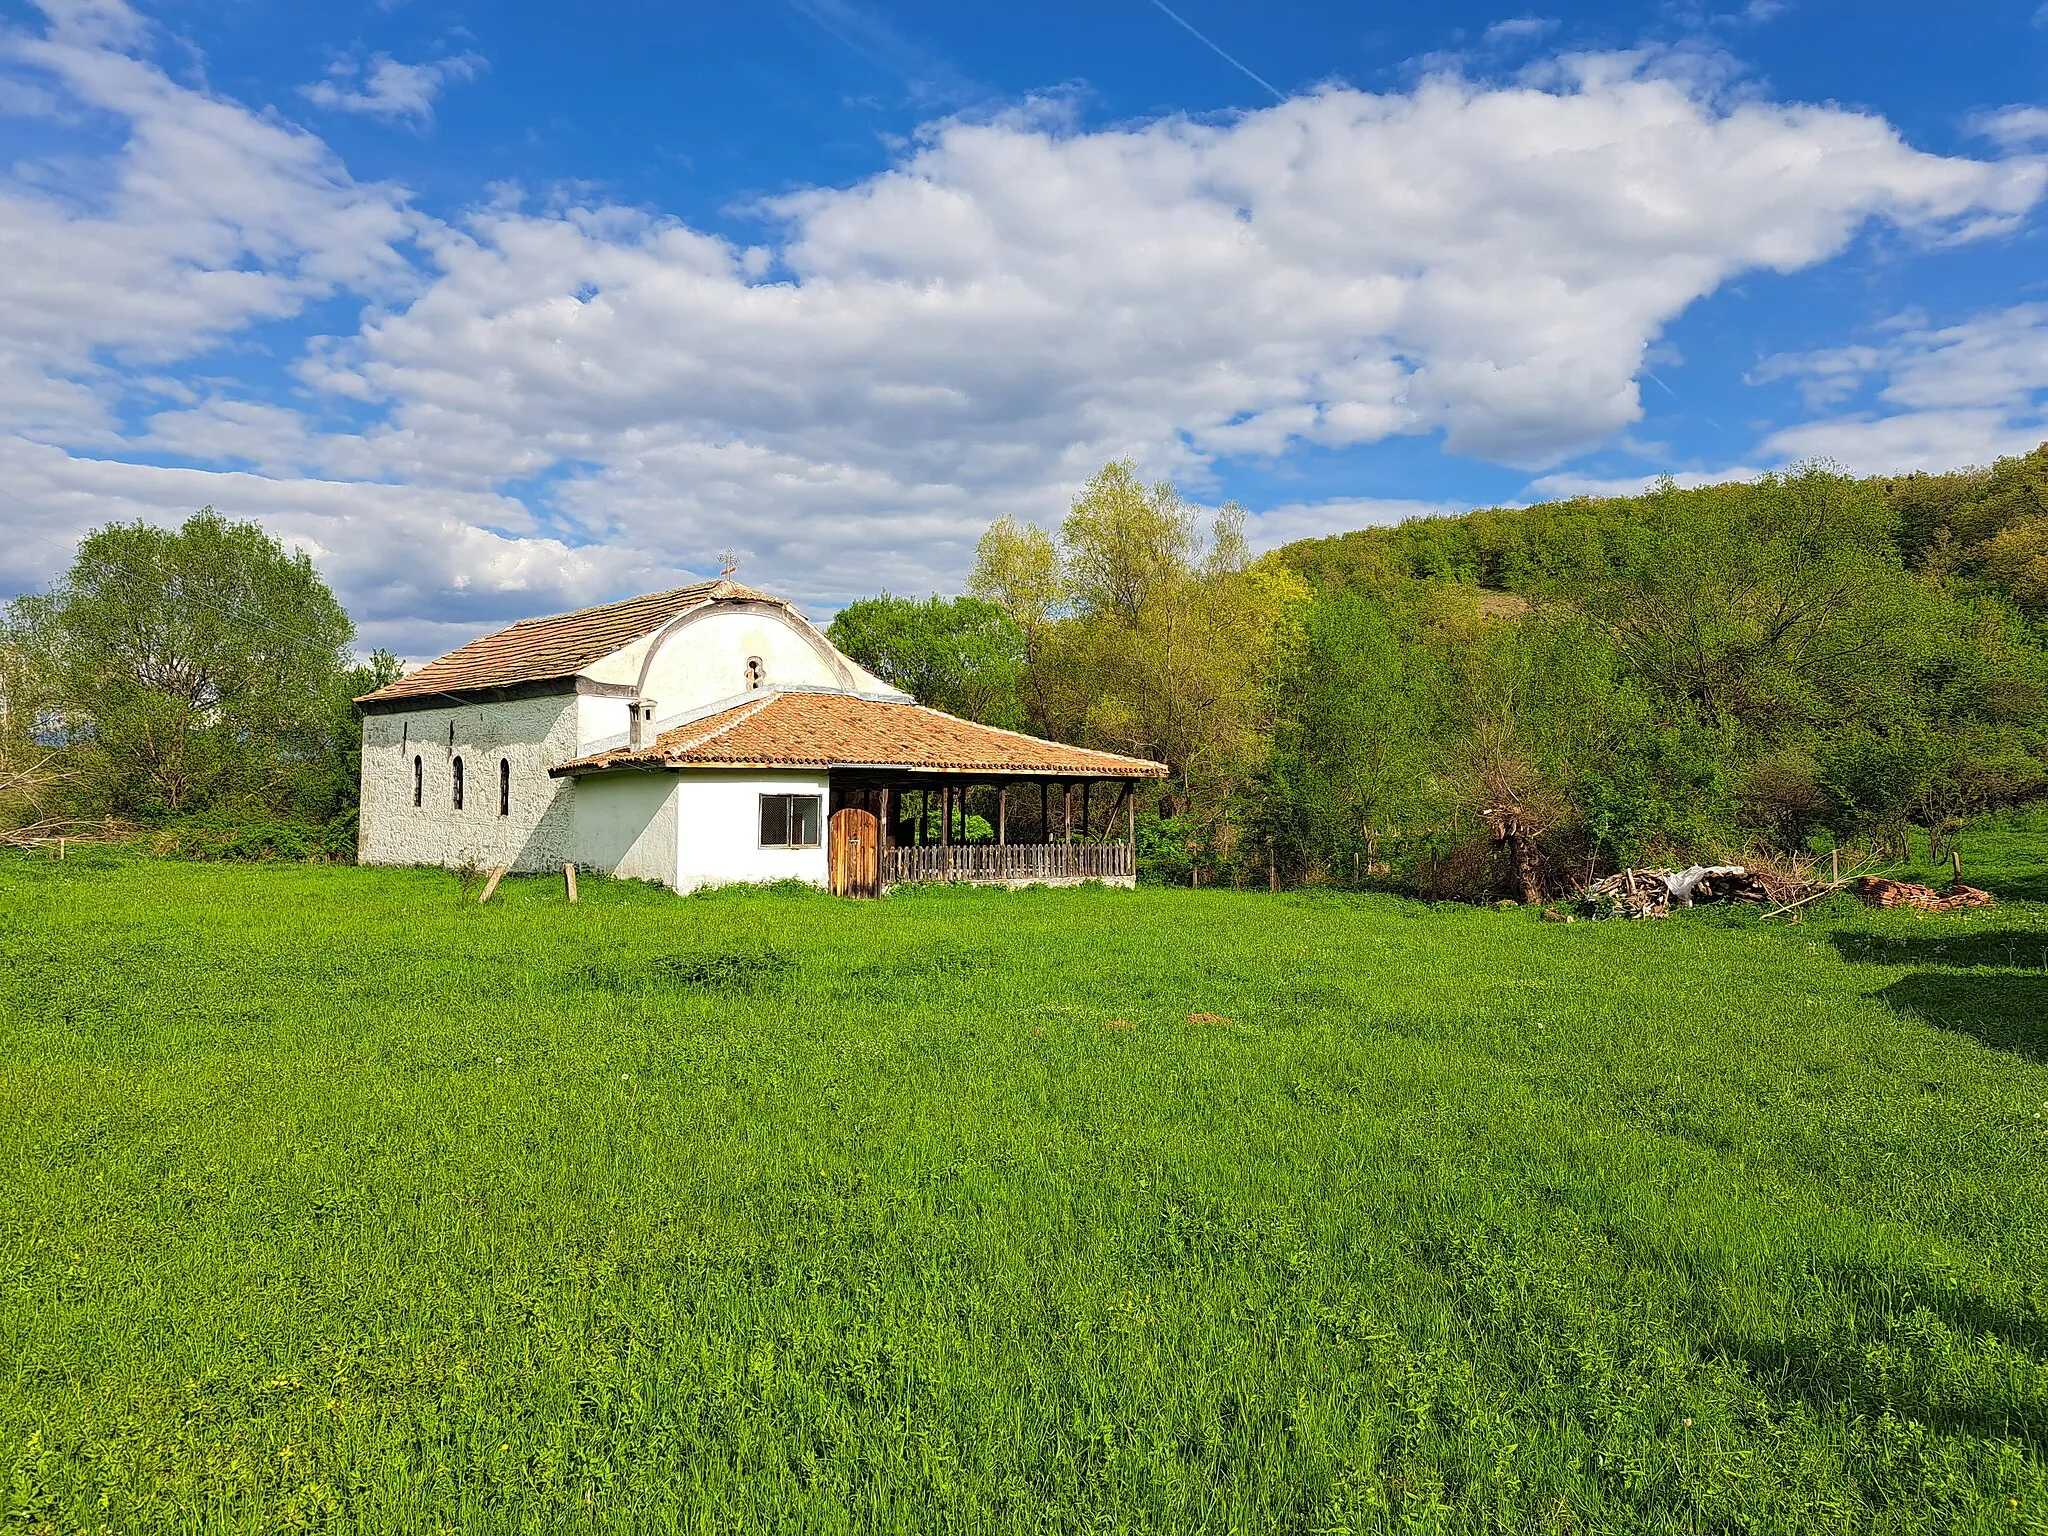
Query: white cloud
<point x="967" y="334"/>
<point x="2014" y="128"/>
<point x="422" y="568"/>
<point x="975" y="330"/>
<point x="1572" y="483"/>
<point x="1959" y="394"/>
<point x="207" y="218"/>
<point x="1519" y="29"/>
<point x="388" y="89"/>
<point x="1319" y="519"/>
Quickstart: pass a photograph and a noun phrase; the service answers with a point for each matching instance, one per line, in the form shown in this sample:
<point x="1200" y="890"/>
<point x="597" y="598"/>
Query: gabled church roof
<point x="799" y="729"/>
<point x="558" y="646"/>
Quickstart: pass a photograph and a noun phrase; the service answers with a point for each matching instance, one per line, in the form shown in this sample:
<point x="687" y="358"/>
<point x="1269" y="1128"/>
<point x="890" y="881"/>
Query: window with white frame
<point x="789" y="821"/>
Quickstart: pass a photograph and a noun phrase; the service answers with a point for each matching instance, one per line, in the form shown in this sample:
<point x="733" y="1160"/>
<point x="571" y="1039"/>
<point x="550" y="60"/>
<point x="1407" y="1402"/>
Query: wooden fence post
<point x="491" y="884"/>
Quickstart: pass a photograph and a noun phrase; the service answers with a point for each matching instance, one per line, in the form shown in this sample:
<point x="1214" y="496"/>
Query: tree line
<point x="1501" y="702"/>
<point x="1492" y="703"/>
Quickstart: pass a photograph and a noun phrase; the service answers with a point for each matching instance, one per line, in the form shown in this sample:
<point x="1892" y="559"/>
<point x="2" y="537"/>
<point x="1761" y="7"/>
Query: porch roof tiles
<point x="794" y="729"/>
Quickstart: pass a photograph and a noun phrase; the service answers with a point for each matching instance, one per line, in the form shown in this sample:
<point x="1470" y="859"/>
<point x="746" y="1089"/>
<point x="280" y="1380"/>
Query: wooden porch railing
<point x="1019" y="863"/>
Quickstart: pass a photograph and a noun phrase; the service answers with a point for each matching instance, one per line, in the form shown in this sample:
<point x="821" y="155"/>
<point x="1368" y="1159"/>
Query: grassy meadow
<point x="332" y="1200"/>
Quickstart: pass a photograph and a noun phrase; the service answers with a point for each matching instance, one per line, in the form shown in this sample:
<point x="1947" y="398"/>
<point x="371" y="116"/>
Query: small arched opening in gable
<point x="757" y="674"/>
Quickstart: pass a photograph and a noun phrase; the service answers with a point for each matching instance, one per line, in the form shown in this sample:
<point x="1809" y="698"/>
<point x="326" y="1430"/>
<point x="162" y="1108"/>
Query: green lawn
<point x="333" y="1200"/>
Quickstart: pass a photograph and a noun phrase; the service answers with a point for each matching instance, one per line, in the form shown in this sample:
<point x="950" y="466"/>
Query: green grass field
<point x="333" y="1200"/>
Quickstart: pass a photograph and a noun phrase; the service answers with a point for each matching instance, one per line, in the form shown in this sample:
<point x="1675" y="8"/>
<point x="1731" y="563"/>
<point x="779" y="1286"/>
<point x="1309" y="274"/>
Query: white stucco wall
<point x="626" y="825"/>
<point x="713" y="834"/>
<point x="532" y="734"/>
<point x="718" y="829"/>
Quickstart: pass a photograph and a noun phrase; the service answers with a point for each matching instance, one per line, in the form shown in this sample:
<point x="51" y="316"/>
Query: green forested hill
<point x="1987" y="526"/>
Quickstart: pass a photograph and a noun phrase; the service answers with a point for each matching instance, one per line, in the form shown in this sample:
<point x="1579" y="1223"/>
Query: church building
<point x="713" y="735"/>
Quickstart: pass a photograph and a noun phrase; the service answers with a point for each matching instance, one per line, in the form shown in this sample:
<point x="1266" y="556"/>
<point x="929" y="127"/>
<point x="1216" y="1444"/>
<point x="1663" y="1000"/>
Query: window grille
<point x="789" y="821"/>
<point x="458" y="783"/>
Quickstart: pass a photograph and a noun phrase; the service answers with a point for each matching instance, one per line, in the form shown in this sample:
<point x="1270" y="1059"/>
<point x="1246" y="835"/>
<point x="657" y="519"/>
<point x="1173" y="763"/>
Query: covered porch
<point x="905" y="826"/>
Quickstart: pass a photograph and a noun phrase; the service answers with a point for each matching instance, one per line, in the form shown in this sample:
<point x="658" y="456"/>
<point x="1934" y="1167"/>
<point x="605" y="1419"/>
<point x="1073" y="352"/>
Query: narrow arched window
<point x="458" y="783"/>
<point x="757" y="674"/>
<point x="504" y="786"/>
<point x="419" y="781"/>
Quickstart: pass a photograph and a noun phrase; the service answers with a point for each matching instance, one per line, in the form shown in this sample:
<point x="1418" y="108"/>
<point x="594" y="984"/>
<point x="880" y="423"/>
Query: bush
<point x="255" y="839"/>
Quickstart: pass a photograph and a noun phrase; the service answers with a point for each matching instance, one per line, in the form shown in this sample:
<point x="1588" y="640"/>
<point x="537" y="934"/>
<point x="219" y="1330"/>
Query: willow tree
<point x="172" y="671"/>
<point x="1149" y="634"/>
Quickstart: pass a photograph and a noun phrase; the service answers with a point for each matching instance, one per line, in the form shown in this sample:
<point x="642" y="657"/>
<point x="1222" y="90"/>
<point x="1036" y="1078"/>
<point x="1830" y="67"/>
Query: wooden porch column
<point x="1086" y="785"/>
<point x="1067" y="811"/>
<point x="917" y="827"/>
<point x="946" y="815"/>
<point x="1131" y="824"/>
<point x="1045" y="810"/>
<point x="1003" y="812"/>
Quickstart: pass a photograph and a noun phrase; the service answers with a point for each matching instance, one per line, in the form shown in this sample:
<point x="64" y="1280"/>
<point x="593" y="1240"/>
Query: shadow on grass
<point x="1829" y="1375"/>
<point x="2032" y="886"/>
<point x="2017" y="949"/>
<point x="2008" y="1012"/>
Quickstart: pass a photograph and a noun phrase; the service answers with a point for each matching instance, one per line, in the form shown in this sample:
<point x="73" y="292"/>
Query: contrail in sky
<point x="1211" y="46"/>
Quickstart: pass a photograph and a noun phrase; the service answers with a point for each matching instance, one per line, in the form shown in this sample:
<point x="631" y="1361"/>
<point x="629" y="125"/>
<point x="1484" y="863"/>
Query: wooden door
<point x="856" y="852"/>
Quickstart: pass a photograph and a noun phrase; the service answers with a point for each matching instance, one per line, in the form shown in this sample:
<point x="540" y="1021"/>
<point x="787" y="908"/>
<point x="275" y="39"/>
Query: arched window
<point x="757" y="674"/>
<point x="458" y="783"/>
<point x="419" y="781"/>
<point x="504" y="786"/>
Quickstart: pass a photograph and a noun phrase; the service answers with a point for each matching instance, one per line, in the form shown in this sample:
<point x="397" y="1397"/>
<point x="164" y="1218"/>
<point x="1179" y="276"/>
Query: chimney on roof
<point x="643" y="723"/>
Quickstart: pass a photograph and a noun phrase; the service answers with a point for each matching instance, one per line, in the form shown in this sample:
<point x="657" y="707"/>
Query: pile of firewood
<point x="1657" y="892"/>
<point x="1875" y="891"/>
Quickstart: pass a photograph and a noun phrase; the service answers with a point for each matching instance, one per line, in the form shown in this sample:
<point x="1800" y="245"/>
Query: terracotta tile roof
<point x="839" y="730"/>
<point x="561" y="645"/>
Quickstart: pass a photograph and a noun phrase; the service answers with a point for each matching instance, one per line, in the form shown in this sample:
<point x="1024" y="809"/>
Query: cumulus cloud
<point x="974" y="330"/>
<point x="1275" y="526"/>
<point x="2015" y="127"/>
<point x="423" y="568"/>
<point x="1575" y="483"/>
<point x="388" y="89"/>
<point x="850" y="398"/>
<point x="208" y="218"/>
<point x="1959" y="394"/>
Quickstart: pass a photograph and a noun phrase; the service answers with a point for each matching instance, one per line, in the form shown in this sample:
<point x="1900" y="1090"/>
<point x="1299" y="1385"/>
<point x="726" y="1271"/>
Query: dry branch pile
<point x="1656" y="892"/>
<point x="1875" y="891"/>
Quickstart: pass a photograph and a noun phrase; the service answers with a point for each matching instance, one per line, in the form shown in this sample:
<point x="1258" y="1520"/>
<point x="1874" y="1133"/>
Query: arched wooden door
<point x="856" y="852"/>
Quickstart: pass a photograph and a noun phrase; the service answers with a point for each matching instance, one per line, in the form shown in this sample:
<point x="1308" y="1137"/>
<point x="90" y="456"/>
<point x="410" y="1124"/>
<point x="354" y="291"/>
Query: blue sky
<point x="496" y="314"/>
